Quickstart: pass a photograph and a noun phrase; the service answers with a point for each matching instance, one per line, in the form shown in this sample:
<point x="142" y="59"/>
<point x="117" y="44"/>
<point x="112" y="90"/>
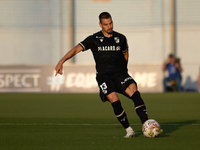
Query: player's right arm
<point x="70" y="54"/>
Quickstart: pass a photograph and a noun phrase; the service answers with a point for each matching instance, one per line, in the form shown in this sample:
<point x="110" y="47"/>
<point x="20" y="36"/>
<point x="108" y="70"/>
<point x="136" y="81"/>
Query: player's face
<point x="107" y="26"/>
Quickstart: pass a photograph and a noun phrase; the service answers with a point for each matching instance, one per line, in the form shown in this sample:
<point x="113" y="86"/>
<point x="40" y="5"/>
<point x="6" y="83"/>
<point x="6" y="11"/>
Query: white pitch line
<point x="65" y="124"/>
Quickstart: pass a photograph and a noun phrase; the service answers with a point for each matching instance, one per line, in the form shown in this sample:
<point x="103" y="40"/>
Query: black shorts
<point x="115" y="82"/>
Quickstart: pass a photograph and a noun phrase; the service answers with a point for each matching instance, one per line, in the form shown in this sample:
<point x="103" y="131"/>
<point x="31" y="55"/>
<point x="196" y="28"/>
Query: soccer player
<point x="110" y="51"/>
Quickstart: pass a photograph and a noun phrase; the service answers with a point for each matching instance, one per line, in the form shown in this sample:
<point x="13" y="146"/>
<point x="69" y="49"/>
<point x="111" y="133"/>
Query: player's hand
<point x="59" y="68"/>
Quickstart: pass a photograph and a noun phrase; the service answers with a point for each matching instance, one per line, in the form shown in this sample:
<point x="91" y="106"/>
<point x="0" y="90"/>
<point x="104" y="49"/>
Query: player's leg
<point x="118" y="110"/>
<point x="107" y="93"/>
<point x="127" y="86"/>
<point x="140" y="107"/>
<point x="120" y="113"/>
<point x="139" y="103"/>
<point x="131" y="92"/>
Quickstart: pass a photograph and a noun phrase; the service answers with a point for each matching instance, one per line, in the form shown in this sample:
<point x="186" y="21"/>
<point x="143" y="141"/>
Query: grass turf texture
<point x="82" y="121"/>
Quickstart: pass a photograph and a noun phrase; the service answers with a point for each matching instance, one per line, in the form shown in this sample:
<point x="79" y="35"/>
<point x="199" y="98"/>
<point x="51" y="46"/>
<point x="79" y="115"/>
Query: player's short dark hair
<point x="104" y="15"/>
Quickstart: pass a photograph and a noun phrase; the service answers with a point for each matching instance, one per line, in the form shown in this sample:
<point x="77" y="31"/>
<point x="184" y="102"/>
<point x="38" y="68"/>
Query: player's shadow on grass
<point x="170" y="127"/>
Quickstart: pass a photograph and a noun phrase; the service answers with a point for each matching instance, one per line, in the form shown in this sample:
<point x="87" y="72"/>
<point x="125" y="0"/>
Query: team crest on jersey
<point x="100" y="38"/>
<point x="116" y="39"/>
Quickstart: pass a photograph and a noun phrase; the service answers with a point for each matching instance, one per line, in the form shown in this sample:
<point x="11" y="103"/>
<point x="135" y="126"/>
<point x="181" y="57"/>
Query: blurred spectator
<point x="174" y="70"/>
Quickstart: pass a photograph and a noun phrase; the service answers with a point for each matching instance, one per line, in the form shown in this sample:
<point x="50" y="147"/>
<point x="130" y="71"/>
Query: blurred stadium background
<point x="35" y="34"/>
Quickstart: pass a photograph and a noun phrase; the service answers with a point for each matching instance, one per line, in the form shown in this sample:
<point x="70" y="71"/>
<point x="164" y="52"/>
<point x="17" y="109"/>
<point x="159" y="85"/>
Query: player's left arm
<point x="126" y="54"/>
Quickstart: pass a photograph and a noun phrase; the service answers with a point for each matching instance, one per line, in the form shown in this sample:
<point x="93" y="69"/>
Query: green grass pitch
<point x="83" y="122"/>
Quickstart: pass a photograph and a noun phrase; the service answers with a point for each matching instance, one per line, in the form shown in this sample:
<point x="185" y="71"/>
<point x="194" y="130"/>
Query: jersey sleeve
<point x="125" y="45"/>
<point x="87" y="43"/>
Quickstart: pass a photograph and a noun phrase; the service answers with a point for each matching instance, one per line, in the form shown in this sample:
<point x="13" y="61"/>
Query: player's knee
<point x="131" y="89"/>
<point x="112" y="97"/>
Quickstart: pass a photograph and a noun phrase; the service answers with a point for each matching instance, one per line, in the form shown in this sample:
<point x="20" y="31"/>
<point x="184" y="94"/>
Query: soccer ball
<point x="151" y="128"/>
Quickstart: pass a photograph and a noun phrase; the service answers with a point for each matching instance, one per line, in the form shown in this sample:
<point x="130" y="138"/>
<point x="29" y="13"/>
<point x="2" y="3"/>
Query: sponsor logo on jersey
<point x="100" y="38"/>
<point x="125" y="80"/>
<point x="109" y="48"/>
